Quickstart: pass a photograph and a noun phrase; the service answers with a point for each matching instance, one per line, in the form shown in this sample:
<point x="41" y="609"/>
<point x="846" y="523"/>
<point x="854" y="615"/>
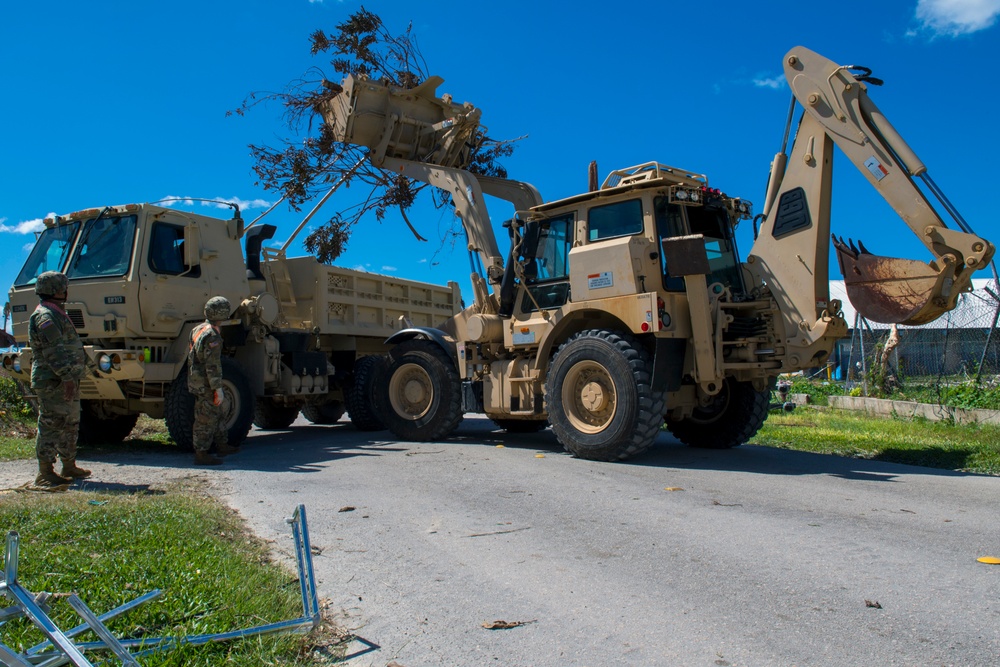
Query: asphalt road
<point x="752" y="556"/>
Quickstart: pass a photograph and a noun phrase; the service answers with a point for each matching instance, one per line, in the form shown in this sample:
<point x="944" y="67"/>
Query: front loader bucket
<point x="405" y="123"/>
<point x="896" y="291"/>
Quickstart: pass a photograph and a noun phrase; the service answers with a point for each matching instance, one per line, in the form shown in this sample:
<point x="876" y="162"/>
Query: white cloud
<point x="27" y="247"/>
<point x="360" y="267"/>
<point x="774" y="82"/>
<point x="389" y="269"/>
<point x="244" y="204"/>
<point x="217" y="202"/>
<point x="957" y="17"/>
<point x="171" y="200"/>
<point x="26" y="227"/>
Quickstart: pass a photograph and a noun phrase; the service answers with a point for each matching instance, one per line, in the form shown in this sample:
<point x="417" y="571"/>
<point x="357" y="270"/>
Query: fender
<point x="444" y="341"/>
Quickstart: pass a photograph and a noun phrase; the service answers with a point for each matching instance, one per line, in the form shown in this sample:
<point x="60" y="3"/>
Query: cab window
<point x="620" y="219"/>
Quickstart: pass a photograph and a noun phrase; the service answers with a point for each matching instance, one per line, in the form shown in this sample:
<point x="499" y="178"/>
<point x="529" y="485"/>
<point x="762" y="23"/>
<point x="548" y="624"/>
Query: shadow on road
<point x="307" y="448"/>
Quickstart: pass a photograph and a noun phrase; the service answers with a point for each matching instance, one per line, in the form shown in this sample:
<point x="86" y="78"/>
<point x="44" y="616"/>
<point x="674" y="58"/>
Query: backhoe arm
<point x="792" y="242"/>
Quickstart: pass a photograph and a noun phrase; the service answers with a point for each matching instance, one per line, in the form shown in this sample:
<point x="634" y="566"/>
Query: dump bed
<point x="357" y="303"/>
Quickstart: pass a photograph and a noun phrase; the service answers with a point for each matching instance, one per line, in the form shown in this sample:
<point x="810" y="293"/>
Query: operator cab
<point x="598" y="244"/>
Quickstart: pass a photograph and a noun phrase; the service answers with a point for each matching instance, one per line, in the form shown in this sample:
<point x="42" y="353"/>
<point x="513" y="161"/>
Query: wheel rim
<point x="411" y="391"/>
<point x="715" y="409"/>
<point x="589" y="397"/>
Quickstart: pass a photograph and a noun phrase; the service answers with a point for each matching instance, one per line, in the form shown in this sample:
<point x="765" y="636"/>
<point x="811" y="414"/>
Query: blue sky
<point x="118" y="102"/>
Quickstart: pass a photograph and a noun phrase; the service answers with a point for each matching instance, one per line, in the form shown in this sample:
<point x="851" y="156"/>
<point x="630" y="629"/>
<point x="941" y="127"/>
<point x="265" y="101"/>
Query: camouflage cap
<point x="217" y="308"/>
<point x="51" y="283"/>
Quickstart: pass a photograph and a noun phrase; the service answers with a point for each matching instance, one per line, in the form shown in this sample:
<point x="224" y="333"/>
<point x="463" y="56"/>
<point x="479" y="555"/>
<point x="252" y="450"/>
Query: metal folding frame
<point x="65" y="651"/>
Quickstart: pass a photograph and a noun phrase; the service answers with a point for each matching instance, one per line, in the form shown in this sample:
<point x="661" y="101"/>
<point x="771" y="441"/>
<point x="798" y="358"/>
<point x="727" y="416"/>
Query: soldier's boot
<point x="225" y="450"/>
<point x="48" y="477"/>
<point x="206" y="459"/>
<point x="70" y="469"/>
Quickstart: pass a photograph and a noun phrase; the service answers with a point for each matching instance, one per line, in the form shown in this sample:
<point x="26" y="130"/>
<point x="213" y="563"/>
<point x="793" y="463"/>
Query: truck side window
<point x="166" y="250"/>
<point x="621" y="219"/>
<point x="547" y="273"/>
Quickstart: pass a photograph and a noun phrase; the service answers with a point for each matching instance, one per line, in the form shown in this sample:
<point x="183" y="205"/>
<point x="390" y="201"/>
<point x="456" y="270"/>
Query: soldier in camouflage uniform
<point x="205" y="382"/>
<point x="58" y="364"/>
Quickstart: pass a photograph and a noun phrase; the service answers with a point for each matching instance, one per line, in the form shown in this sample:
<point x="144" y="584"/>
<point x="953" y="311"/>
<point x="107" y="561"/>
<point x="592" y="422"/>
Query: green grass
<point x="969" y="448"/>
<point x="17" y="438"/>
<point x="952" y="392"/>
<point x="109" y="549"/>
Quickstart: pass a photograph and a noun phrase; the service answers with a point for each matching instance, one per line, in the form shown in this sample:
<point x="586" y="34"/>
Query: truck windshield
<point x="105" y="248"/>
<point x="49" y="254"/>
<point x="712" y="222"/>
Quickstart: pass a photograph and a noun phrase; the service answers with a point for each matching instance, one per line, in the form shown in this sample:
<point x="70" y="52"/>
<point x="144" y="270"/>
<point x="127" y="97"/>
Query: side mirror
<point x="192" y="246"/>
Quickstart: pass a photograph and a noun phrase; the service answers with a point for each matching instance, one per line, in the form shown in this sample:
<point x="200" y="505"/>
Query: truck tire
<point x="360" y="396"/>
<point x="599" y="396"/>
<point x="323" y="413"/>
<point x="521" y="425"/>
<point x="98" y="427"/>
<point x="735" y="416"/>
<point x="420" y="395"/>
<point x="269" y="415"/>
<point x="238" y="406"/>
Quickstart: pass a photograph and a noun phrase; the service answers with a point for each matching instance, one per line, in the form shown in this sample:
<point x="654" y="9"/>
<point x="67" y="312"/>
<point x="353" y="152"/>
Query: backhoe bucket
<point x="895" y="291"/>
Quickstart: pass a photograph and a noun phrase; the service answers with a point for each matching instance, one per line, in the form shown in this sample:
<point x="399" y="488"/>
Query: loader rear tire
<point x="599" y="396"/>
<point x="238" y="406"/>
<point x="734" y="416"/>
<point x="361" y="395"/>
<point x="421" y="392"/>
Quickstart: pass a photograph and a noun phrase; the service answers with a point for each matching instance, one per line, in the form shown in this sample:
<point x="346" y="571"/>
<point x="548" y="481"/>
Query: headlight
<point x="695" y="196"/>
<point x="681" y="194"/>
<point x="17" y="364"/>
<point x="104" y="363"/>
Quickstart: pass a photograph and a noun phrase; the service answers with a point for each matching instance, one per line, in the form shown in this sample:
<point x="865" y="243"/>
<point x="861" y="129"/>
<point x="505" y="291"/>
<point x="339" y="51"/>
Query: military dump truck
<point x="628" y="305"/>
<point x="303" y="336"/>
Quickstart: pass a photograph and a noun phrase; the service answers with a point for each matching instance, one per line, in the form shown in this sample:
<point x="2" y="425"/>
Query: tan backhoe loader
<point x="627" y="304"/>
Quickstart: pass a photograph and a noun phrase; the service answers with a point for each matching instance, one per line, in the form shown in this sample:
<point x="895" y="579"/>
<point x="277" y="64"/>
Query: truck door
<point x="173" y="292"/>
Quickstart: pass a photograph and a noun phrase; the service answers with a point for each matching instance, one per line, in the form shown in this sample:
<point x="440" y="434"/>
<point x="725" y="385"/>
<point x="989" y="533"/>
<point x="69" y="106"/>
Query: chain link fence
<point x="961" y="347"/>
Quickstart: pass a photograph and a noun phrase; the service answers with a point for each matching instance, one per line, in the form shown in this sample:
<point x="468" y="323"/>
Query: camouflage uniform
<point x="57" y="358"/>
<point x="205" y="377"/>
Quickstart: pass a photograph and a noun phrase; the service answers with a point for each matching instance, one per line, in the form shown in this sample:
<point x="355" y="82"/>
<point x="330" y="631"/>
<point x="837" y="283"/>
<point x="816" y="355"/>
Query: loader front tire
<point x="733" y="417"/>
<point x="421" y="392"/>
<point x="599" y="396"/>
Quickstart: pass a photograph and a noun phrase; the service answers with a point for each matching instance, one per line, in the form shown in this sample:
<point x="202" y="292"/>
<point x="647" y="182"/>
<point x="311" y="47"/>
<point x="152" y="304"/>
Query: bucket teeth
<point x="845" y="248"/>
